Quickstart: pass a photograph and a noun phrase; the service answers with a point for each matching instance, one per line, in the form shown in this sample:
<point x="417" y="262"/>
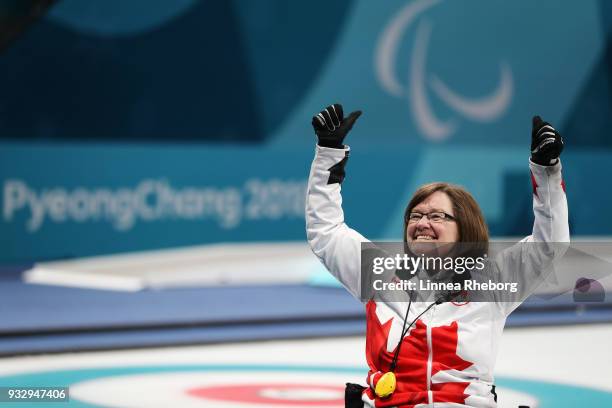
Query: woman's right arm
<point x="332" y="241"/>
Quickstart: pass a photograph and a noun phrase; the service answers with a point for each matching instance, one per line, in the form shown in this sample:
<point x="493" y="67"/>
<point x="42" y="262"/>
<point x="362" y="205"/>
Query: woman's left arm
<point x="530" y="261"/>
<point x="549" y="205"/>
<point x="549" y="202"/>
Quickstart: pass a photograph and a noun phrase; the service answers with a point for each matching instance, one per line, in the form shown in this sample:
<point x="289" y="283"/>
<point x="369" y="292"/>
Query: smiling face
<point x="467" y="224"/>
<point x="421" y="234"/>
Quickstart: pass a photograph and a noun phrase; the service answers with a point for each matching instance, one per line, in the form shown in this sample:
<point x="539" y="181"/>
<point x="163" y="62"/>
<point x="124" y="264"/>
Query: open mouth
<point x="422" y="237"/>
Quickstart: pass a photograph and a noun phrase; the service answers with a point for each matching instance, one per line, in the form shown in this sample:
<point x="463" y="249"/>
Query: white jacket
<point x="448" y="356"/>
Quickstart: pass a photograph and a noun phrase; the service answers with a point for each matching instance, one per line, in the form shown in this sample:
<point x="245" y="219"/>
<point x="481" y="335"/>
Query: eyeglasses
<point x="435" y="216"/>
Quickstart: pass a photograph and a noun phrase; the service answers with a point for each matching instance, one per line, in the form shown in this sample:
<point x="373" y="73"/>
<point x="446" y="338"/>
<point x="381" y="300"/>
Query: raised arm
<point x="549" y="205"/>
<point x="531" y="260"/>
<point x="549" y="201"/>
<point x="331" y="240"/>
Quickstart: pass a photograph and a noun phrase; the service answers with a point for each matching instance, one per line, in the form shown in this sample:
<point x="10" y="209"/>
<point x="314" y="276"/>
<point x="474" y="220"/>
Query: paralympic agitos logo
<point x="482" y="109"/>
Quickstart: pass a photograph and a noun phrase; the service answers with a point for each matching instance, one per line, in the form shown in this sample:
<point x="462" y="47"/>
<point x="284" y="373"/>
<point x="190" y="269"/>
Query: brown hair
<point x="470" y="221"/>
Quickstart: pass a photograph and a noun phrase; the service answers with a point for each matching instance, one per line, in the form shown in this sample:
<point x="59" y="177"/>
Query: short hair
<point x="470" y="221"/>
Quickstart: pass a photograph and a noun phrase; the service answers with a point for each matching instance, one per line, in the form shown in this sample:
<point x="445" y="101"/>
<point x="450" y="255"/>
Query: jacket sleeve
<point x="549" y="206"/>
<point x="532" y="260"/>
<point x="336" y="245"/>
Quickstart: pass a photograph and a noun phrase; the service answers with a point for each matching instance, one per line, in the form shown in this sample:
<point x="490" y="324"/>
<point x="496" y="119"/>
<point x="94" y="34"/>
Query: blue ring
<point x="550" y="395"/>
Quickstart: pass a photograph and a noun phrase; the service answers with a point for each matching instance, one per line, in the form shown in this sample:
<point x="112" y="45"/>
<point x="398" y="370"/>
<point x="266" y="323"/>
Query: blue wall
<point x="157" y="124"/>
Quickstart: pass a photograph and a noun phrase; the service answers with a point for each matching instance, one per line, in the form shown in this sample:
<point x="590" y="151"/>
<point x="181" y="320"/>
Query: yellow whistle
<point x="385" y="385"/>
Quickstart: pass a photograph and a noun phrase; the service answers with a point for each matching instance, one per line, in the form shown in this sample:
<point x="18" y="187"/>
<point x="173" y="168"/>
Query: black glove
<point x="546" y="143"/>
<point x="331" y="126"/>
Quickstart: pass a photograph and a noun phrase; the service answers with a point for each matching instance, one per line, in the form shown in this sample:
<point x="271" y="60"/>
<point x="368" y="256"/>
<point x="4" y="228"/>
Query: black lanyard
<point x="405" y="329"/>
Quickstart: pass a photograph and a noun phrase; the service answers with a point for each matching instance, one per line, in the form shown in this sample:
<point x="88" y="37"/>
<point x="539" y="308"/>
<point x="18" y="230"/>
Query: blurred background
<point x="153" y="163"/>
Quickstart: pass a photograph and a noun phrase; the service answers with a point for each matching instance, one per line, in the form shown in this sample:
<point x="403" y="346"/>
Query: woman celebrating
<point x="428" y="354"/>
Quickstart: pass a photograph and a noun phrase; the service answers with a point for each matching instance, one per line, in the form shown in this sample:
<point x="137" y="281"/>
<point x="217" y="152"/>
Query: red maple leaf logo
<point x="411" y="371"/>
